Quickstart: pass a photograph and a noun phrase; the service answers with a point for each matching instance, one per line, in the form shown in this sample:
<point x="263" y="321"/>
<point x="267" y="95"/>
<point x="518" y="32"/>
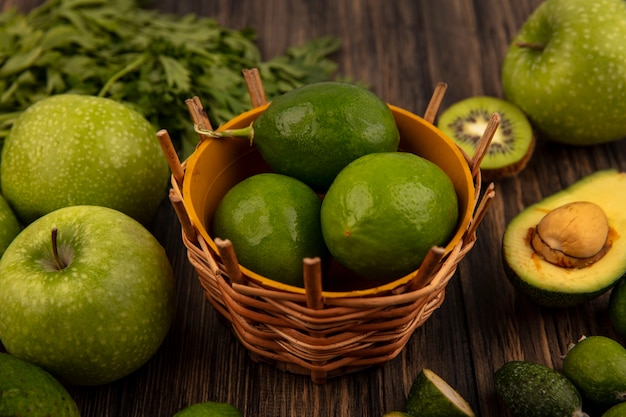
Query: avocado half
<point x="552" y="285"/>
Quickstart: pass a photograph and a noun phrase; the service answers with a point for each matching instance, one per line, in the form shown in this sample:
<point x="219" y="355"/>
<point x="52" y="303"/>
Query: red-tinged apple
<point x="87" y="293"/>
<point x="72" y="149"/>
<point x="566" y="69"/>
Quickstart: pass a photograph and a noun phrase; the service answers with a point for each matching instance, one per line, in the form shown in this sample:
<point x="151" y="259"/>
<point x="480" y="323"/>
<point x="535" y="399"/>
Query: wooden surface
<point x="401" y="48"/>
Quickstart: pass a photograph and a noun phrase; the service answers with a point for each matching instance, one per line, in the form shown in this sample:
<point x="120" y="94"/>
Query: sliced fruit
<point x="513" y="142"/>
<point x="384" y="211"/>
<point x="597" y="366"/>
<point x="533" y="390"/>
<point x="559" y="251"/>
<point x="431" y="396"/>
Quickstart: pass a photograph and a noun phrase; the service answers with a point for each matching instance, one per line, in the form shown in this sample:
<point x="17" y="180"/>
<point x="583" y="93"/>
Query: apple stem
<point x="55" y="250"/>
<point x="530" y="45"/>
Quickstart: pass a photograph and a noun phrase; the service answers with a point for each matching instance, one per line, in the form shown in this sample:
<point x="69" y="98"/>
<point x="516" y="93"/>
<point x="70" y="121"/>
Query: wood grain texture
<point x="401" y="48"/>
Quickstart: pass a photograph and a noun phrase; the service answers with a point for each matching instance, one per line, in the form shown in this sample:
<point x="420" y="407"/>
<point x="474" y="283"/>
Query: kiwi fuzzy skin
<point x="510" y="170"/>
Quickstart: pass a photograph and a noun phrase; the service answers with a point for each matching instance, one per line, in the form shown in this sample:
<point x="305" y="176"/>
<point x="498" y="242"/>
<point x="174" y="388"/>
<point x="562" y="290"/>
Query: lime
<point x="384" y="211"/>
<point x="618" y="410"/>
<point x="209" y="409"/>
<point x="312" y="132"/>
<point x="273" y="222"/>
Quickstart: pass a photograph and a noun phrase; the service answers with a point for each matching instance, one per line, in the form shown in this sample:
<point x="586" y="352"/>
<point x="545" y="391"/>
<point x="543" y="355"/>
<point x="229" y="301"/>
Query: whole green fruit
<point x="209" y="409"/>
<point x="9" y="225"/>
<point x="533" y="389"/>
<point x="312" y="132"/>
<point x="597" y="366"/>
<point x="273" y="222"/>
<point x="97" y="311"/>
<point x="617" y="307"/>
<point x="28" y="390"/>
<point x="384" y="212"/>
<point x="74" y="149"/>
<point x="618" y="410"/>
<point x="565" y="69"/>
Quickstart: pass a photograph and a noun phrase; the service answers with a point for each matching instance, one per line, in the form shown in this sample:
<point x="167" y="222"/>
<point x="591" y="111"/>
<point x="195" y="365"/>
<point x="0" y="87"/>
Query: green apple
<point x="72" y="149"/>
<point x="28" y="390"/>
<point x="86" y="293"/>
<point x="9" y="225"/>
<point x="566" y="69"/>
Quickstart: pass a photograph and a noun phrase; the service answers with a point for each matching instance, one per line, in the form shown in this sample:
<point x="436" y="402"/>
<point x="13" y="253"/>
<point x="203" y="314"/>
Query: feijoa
<point x="597" y="366"/>
<point x="530" y="389"/>
<point x="273" y="222"/>
<point x="568" y="248"/>
<point x="312" y="132"/>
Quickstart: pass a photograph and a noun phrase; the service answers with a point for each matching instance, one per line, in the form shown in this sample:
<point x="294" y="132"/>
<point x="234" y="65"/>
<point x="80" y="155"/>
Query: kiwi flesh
<point x="513" y="142"/>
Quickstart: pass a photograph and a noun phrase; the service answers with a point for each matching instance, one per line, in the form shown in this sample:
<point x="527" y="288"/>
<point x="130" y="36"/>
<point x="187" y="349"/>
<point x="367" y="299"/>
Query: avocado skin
<point x="28" y="391"/>
<point x="532" y="389"/>
<point x="547" y="298"/>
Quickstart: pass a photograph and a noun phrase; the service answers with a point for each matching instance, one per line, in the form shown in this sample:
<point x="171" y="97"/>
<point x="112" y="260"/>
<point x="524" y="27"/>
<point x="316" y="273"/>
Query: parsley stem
<point x="139" y="61"/>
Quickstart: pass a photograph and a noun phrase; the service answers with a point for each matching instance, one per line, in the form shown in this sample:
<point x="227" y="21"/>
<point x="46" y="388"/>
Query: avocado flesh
<point x="551" y="285"/>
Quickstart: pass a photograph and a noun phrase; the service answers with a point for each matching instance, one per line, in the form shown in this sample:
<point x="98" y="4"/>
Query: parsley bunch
<point x="150" y="60"/>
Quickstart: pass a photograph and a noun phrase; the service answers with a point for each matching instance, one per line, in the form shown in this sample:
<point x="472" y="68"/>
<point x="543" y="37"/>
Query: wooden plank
<point x="401" y="49"/>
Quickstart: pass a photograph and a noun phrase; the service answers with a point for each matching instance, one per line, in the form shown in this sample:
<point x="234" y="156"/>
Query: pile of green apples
<point x="86" y="290"/>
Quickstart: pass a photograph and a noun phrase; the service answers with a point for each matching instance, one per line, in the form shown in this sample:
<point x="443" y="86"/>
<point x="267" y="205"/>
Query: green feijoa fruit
<point x="273" y="222"/>
<point x="396" y="414"/>
<point x="209" y="409"/>
<point x="533" y="390"/>
<point x="618" y="410"/>
<point x="432" y="396"/>
<point x="385" y="210"/>
<point x="312" y="132"/>
<point x="617" y="307"/>
<point x="597" y="366"/>
<point x="28" y="390"/>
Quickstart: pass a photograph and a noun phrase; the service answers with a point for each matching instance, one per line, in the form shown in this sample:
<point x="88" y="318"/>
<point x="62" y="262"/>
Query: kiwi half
<point x="513" y="142"/>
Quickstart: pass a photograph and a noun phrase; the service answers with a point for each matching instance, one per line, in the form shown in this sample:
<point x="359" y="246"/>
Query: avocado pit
<point x="574" y="235"/>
